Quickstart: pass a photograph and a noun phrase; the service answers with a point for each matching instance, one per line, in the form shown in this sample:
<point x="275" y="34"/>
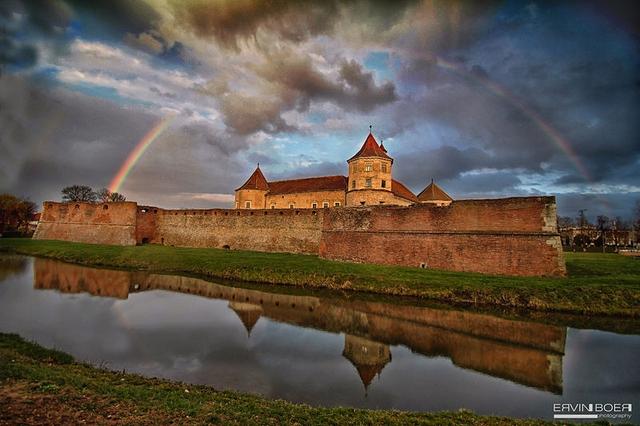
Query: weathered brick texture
<point x="513" y="236"/>
<point x="286" y="230"/>
<point x="108" y="223"/>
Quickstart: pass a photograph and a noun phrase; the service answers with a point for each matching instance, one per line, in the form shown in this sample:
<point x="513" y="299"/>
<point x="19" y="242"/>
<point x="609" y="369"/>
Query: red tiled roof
<point x="370" y="148"/>
<point x="256" y="181"/>
<point x="322" y="183"/>
<point x="399" y="190"/>
<point x="433" y="193"/>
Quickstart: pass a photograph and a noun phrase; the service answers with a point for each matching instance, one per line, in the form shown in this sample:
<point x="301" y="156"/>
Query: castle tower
<point x="252" y="195"/>
<point x="367" y="356"/>
<point x="434" y="195"/>
<point x="370" y="175"/>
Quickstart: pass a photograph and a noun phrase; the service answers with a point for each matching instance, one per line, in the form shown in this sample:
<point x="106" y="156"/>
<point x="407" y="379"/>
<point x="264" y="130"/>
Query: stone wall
<point x="512" y="236"/>
<point x="108" y="223"/>
<point x="276" y="230"/>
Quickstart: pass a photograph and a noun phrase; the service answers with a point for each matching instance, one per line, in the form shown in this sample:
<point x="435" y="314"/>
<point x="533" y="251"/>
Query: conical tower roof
<point x="370" y="148"/>
<point x="367" y="356"/>
<point x="256" y="181"/>
<point x="248" y="313"/>
<point x="433" y="193"/>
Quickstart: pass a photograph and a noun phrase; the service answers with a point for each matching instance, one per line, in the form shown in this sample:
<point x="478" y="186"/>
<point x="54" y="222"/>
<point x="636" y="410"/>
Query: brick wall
<point x="513" y="236"/>
<point x="146" y="224"/>
<point x="277" y="230"/>
<point x="108" y="223"/>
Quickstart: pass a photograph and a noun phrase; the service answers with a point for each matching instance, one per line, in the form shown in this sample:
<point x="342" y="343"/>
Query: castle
<point x="378" y="220"/>
<point x="370" y="182"/>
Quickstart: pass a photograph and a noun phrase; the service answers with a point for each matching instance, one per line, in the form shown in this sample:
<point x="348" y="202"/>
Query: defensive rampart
<point x="105" y="223"/>
<point x="512" y="236"/>
<point x="286" y="230"/>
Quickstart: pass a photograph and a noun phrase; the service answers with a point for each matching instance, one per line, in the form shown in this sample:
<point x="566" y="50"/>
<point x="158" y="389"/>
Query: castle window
<point x="362" y="203"/>
<point x="381" y="202"/>
<point x="353" y="184"/>
<point x="325" y="205"/>
<point x="336" y="204"/>
<point x="384" y="169"/>
<point x="384" y="183"/>
<point x="247" y="205"/>
<point x="291" y="206"/>
<point x="106" y="207"/>
<point x="273" y="206"/>
<point x="367" y="183"/>
<point x="314" y="205"/>
<point x="368" y="167"/>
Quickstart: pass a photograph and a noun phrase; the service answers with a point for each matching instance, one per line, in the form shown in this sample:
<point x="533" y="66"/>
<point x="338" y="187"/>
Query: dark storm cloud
<point x="53" y="137"/>
<point x="446" y="162"/>
<point x="611" y="204"/>
<point x="585" y="87"/>
<point x="324" y="168"/>
<point x="233" y="22"/>
<point x="295" y="85"/>
<point x="57" y="138"/>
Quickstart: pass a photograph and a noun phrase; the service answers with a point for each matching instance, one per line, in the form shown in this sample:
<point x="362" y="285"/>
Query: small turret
<point x="433" y="194"/>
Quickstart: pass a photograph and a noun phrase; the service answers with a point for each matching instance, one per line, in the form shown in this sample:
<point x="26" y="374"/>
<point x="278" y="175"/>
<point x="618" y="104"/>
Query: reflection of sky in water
<point x="200" y="340"/>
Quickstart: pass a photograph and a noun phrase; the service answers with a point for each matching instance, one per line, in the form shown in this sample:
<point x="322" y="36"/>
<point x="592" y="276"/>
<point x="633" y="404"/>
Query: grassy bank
<point x="41" y="386"/>
<point x="602" y="284"/>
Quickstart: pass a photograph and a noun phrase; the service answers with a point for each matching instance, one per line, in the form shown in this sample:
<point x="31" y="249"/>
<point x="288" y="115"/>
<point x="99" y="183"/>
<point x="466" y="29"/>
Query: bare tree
<point x="79" y="193"/>
<point x="106" y="196"/>
<point x="565" y="222"/>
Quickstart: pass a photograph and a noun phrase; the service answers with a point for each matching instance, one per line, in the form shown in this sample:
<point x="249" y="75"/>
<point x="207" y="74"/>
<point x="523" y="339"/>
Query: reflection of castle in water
<point x="523" y="352"/>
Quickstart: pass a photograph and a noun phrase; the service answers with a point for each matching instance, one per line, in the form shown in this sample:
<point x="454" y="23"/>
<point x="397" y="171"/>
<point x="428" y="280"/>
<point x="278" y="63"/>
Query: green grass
<point x="602" y="284"/>
<point x="32" y="373"/>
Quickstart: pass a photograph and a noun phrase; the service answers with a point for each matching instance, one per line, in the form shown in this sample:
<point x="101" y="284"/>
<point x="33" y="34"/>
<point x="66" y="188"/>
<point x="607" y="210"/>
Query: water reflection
<point x="522" y="352"/>
<point x="321" y="349"/>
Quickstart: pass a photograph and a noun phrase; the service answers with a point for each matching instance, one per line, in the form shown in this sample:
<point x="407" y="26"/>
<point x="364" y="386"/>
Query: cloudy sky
<point x="491" y="99"/>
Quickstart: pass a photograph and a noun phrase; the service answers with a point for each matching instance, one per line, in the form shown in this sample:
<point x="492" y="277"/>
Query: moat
<point x="321" y="349"/>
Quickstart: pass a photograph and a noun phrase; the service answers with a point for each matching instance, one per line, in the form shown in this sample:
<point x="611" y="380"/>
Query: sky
<point x="490" y="99"/>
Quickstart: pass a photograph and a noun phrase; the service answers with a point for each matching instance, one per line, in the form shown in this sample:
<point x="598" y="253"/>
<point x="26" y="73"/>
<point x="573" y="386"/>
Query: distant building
<point x="370" y="182"/>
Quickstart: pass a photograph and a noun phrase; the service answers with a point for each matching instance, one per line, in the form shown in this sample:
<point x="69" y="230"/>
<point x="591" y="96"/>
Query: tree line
<point x="603" y="222"/>
<point x="581" y="232"/>
<point x="15" y="214"/>
<point x="85" y="193"/>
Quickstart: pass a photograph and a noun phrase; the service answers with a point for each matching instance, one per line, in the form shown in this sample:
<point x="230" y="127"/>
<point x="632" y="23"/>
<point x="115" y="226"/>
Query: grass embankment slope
<point x="42" y="386"/>
<point x="602" y="284"/>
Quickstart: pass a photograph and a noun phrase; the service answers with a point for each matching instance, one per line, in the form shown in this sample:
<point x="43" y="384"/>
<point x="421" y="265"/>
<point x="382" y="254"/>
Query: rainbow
<point x="545" y="127"/>
<point x="137" y="152"/>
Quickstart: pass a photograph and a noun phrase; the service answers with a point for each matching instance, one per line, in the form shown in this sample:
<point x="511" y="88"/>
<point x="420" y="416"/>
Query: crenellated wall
<point x="511" y="236"/>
